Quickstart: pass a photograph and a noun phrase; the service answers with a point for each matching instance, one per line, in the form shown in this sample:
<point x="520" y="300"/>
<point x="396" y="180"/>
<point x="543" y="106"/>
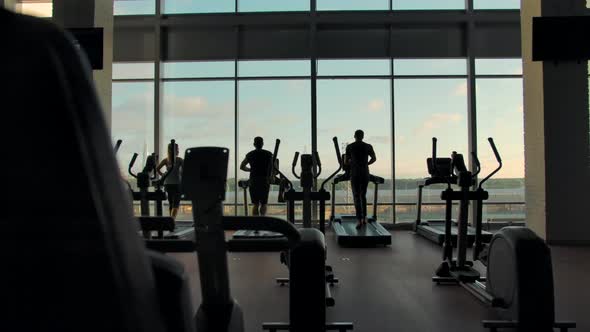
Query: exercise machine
<point x="255" y="240"/>
<point x="344" y="226"/>
<point x="204" y="181"/>
<point x="441" y="172"/>
<point x="519" y="275"/>
<point x="163" y="226"/>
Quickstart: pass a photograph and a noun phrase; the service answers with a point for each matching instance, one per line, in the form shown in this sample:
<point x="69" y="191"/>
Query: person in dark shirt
<point x="260" y="169"/>
<point x="357" y="159"/>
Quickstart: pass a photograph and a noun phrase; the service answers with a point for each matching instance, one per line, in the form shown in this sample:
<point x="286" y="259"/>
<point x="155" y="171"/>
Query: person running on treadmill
<point x="172" y="181"/>
<point x="357" y="159"/>
<point x="260" y="169"/>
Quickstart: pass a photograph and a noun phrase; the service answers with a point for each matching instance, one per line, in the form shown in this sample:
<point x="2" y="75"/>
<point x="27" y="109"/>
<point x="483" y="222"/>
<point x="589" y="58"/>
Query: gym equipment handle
<point x="493" y="145"/>
<point x="338" y="155"/>
<point x="476" y="162"/>
<point x="131" y="163"/>
<point x="434" y="140"/>
<point x="335" y="140"/>
<point x="318" y="162"/>
<point x="294" y="164"/>
<point x="118" y="145"/>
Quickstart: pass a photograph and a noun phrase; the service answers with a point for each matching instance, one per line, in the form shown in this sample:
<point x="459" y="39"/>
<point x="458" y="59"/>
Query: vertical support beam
<point x="90" y="14"/>
<point x="392" y="114"/>
<point x="237" y="121"/>
<point x="471" y="94"/>
<point x="314" y="104"/>
<point x="158" y="120"/>
<point x="534" y="128"/>
<point x="556" y="134"/>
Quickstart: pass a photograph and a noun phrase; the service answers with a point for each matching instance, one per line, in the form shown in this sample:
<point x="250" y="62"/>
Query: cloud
<point x="375" y="105"/>
<point x="437" y="120"/>
<point x="460" y="90"/>
<point x="379" y="139"/>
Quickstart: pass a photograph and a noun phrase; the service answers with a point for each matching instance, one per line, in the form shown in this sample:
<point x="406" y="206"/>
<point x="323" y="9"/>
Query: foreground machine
<point x="373" y="234"/>
<point x="204" y="182"/>
<point x="519" y="276"/>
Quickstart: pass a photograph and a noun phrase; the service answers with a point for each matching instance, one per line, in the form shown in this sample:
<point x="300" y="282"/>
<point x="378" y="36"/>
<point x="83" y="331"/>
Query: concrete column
<point x="92" y="13"/>
<point x="557" y="144"/>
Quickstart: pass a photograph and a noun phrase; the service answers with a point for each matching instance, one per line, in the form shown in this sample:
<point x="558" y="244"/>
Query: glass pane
<point x="500" y="115"/>
<point x="275" y="109"/>
<point x="200" y="114"/>
<point x="134" y="7"/>
<point x="353" y="67"/>
<point x="428" y="4"/>
<point x="426" y="108"/>
<point x="200" y="69"/>
<point x="430" y="67"/>
<point x="352" y="5"/>
<point x="343" y="107"/>
<point x="197" y="6"/>
<point x="498" y="66"/>
<point x="133" y="70"/>
<point x="274" y="68"/>
<point x="273" y="5"/>
<point x="496" y="4"/>
<point x="38" y="8"/>
<point x="133" y="122"/>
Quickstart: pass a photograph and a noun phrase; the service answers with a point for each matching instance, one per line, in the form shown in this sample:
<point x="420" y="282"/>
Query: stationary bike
<point x="519" y="276"/>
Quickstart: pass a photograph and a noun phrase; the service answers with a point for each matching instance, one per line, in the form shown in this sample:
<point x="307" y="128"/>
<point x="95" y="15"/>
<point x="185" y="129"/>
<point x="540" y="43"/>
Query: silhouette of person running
<point x="357" y="159"/>
<point x="260" y="169"/>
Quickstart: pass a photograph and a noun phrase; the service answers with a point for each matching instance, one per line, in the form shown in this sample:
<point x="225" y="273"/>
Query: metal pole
<point x="314" y="124"/>
<point x="236" y="119"/>
<point x="157" y="79"/>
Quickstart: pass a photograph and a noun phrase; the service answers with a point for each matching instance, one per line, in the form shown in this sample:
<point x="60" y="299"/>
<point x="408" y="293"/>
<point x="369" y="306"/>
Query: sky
<point x="197" y="113"/>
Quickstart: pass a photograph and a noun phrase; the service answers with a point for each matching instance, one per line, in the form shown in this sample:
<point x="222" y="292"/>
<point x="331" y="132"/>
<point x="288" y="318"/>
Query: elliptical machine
<point x="519" y="276"/>
<point x="204" y="180"/>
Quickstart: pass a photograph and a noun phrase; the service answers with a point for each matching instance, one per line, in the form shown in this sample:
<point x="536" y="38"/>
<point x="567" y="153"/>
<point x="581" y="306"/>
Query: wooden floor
<point x="389" y="289"/>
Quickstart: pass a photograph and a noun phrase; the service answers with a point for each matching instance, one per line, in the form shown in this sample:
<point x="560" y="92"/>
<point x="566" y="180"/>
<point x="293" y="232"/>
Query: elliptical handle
<point x="118" y="145"/>
<point x="335" y="140"/>
<point x="496" y="153"/>
<point x="294" y="164"/>
<point x="318" y="162"/>
<point x="338" y="155"/>
<point x="131" y="163"/>
<point x="476" y="162"/>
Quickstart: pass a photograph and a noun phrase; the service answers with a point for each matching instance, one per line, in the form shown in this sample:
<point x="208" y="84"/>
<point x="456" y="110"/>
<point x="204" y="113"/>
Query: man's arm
<point x="244" y="165"/>
<point x="372" y="155"/>
<point x="346" y="159"/>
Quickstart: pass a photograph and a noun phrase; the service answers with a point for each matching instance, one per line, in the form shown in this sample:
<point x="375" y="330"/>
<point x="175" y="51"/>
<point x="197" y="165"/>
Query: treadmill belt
<point x="435" y="232"/>
<point x="371" y="234"/>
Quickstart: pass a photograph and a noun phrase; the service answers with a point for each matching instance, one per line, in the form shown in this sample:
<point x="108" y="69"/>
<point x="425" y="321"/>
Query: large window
<point x="343" y="107"/>
<point x="133" y="122"/>
<point x="197" y="6"/>
<point x="135" y="7"/>
<point x="199" y="114"/>
<point x="496" y="4"/>
<point x="352" y="5"/>
<point x="500" y="115"/>
<point x="275" y="109"/>
<point x="272" y="5"/>
<point x="428" y="4"/>
<point x="426" y="108"/>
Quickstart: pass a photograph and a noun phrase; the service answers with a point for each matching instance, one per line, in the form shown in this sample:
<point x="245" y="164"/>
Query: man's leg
<point x="357" y="200"/>
<point x="255" y="210"/>
<point x="263" y="209"/>
<point x="363" y="198"/>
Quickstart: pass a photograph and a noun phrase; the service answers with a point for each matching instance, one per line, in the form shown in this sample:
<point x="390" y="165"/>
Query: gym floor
<point x="389" y="288"/>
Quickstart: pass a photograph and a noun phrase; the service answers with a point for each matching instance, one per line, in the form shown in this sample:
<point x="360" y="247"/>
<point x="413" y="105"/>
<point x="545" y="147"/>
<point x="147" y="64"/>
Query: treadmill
<point x="434" y="230"/>
<point x="344" y="226"/>
<point x="253" y="240"/>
